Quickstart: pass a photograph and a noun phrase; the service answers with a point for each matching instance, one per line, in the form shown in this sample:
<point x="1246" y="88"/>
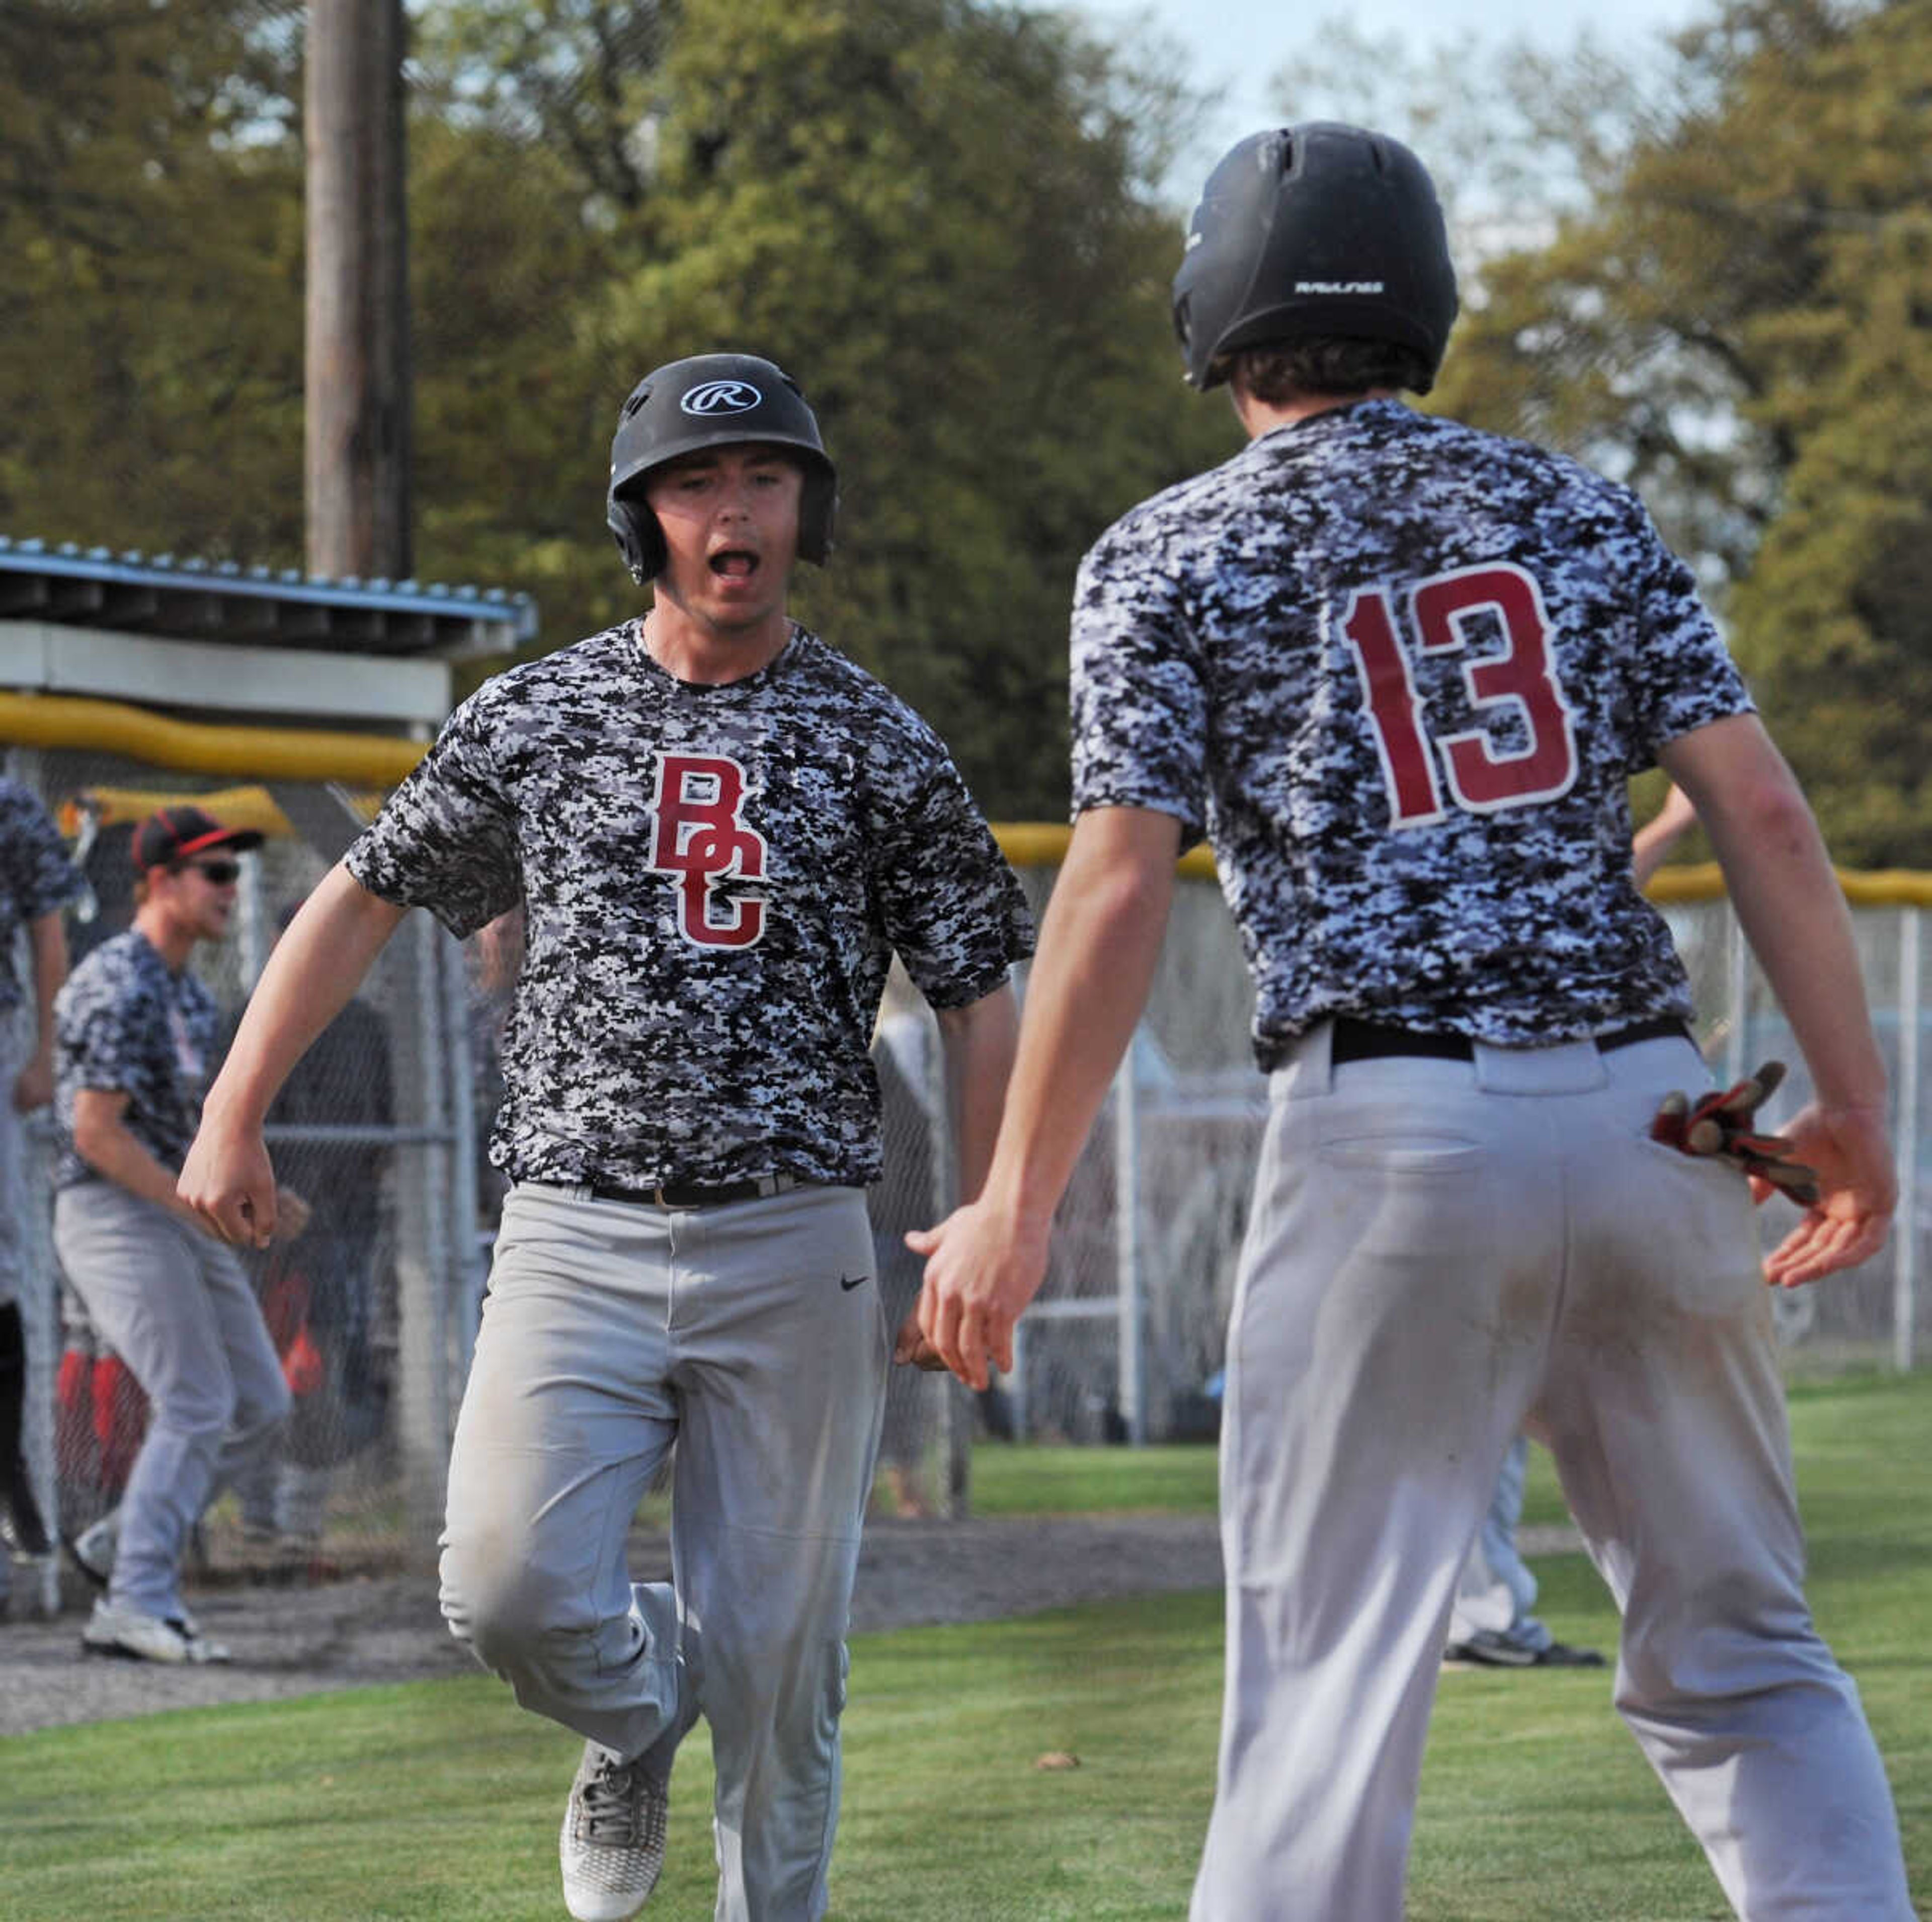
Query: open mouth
<point x="734" y="563"/>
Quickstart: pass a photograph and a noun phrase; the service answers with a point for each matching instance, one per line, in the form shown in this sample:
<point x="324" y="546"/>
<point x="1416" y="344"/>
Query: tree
<point x="939" y="217"/>
<point x="358" y="391"/>
<point x="151" y="217"/>
<point x="1741" y="322"/>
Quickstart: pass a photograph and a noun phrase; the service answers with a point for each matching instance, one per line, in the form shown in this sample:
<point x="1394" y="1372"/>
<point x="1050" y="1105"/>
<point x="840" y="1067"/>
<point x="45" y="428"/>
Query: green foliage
<point x="151" y="219"/>
<point x="1741" y="322"/>
<point x="937" y="215"/>
<point x="528" y="196"/>
<point x="1836" y="617"/>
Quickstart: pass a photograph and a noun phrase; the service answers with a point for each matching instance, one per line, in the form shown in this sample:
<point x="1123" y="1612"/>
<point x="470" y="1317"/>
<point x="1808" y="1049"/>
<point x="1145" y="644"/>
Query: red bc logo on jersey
<point x="699" y="839"/>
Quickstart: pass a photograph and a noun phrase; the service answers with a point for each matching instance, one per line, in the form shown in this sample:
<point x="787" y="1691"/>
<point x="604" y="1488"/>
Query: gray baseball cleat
<point x="613" y="1844"/>
<point x="1486" y="1649"/>
<point x="92" y="1550"/>
<point x="116" y="1629"/>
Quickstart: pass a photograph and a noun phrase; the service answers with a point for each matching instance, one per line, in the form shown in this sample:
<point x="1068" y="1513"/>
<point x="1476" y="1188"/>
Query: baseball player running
<point x="720" y="830"/>
<point x="135" y="1033"/>
<point x="1398" y="671"/>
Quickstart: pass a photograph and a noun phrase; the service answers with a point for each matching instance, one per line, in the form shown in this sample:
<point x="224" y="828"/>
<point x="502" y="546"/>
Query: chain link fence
<point x="382" y="1129"/>
<point x="1873" y="1316"/>
<point x="373" y="1306"/>
<point x="1125" y="1340"/>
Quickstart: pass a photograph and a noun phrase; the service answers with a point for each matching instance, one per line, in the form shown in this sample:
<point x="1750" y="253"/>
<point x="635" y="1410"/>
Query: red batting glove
<point x="1719" y="1125"/>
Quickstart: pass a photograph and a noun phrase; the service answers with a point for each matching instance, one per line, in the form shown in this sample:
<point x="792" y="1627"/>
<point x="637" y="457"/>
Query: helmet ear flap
<point x="817" y="514"/>
<point x="640" y="539"/>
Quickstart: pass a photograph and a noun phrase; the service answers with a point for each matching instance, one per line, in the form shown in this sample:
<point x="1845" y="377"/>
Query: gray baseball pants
<point x="753" y="1337"/>
<point x="1440" y="1253"/>
<point x="178" y="1308"/>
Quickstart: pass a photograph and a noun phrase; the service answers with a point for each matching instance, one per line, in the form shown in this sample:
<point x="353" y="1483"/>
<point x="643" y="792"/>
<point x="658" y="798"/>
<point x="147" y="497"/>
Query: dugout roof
<point x="217" y="638"/>
<point x="134" y="593"/>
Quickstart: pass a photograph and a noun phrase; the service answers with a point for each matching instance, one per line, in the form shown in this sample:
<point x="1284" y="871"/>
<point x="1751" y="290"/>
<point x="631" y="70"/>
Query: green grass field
<point x="441" y="1800"/>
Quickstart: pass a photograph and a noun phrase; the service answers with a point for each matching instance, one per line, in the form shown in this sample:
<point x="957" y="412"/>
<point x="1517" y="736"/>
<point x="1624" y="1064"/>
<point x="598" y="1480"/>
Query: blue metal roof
<point x="132" y="592"/>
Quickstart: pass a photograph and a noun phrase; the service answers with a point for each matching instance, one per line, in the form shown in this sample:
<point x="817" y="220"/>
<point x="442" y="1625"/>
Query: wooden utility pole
<point x="357" y="437"/>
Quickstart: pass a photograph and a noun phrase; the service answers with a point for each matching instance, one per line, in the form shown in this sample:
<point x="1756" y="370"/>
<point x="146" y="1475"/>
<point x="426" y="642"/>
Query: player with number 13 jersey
<point x="1486" y="635"/>
<point x="1400" y="671"/>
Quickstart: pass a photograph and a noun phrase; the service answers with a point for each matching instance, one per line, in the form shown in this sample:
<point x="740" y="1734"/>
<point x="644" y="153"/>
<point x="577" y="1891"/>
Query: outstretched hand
<point x="1850" y="1152"/>
<point x="228" y="1181"/>
<point x="983" y="1267"/>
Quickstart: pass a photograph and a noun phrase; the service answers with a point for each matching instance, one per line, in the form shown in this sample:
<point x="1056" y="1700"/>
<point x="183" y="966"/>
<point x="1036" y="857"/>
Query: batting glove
<point x="1721" y="1124"/>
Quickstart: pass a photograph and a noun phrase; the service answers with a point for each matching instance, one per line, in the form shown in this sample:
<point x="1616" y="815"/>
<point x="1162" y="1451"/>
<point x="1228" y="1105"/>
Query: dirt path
<point x="291" y="1641"/>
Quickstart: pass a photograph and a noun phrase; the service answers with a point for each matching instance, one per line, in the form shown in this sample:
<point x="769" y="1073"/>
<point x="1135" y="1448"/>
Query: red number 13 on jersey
<point x="1480" y="779"/>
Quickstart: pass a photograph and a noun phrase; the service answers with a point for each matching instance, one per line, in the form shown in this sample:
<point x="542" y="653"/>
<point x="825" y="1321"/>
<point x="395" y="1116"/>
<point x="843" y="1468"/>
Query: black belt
<point x="1364" y="1041"/>
<point x="696" y="1194"/>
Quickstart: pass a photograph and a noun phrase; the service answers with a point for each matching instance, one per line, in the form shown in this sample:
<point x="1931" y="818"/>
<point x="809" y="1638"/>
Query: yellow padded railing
<point x="377" y="761"/>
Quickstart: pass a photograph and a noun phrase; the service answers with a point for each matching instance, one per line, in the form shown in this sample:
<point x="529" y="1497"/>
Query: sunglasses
<point x="217" y="874"/>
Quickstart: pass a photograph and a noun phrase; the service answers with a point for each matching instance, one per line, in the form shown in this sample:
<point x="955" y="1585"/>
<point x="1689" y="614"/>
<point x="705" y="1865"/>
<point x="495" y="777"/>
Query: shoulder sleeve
<point x="1139" y="710"/>
<point x="446" y="840"/>
<point x="106" y="1026"/>
<point x="951" y="907"/>
<point x="38" y="872"/>
<point x="1683" y="677"/>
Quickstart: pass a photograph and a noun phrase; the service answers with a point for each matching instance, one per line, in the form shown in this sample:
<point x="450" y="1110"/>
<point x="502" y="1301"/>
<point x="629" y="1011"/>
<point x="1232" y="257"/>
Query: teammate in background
<point x="721" y="830"/>
<point x="1490" y="1624"/>
<point x="135" y="1033"/>
<point x="1399" y="672"/>
<point x="1652" y="842"/>
<point x="37" y="880"/>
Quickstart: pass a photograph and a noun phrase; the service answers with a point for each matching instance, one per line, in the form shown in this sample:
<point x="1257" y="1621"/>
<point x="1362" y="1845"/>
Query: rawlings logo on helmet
<point x="721" y="396"/>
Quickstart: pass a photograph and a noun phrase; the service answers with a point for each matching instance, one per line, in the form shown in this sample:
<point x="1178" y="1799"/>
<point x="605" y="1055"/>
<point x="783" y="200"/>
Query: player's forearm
<point x="115" y="1152"/>
<point x="979" y="1041"/>
<point x="1098" y="945"/>
<point x="1788" y="902"/>
<point x="1795" y="918"/>
<point x="46" y="942"/>
<point x="316" y="968"/>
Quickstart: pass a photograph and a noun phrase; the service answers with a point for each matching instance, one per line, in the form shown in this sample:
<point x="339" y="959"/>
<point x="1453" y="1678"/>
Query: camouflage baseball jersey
<point x="1399" y="671"/>
<point x="714" y="878"/>
<point x="125" y="1023"/>
<point x="35" y="875"/>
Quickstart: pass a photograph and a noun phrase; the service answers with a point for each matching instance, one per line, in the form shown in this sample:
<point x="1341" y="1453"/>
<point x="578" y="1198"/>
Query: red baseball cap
<point x="177" y="834"/>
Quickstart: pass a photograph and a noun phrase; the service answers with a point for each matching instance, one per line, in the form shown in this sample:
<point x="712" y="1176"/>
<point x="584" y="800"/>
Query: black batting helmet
<point x="713" y="401"/>
<point x="1320" y="229"/>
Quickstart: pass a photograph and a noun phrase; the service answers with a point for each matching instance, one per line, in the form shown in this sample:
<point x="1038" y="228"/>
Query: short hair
<point x="1278" y="371"/>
